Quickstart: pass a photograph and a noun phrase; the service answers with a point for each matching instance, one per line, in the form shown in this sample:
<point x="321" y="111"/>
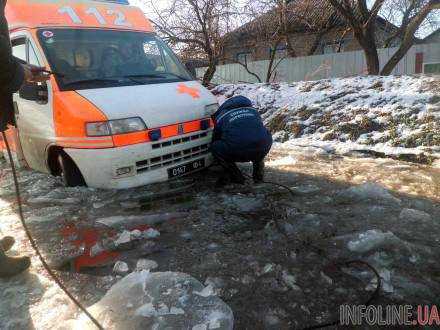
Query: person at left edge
<point x="13" y="74"/>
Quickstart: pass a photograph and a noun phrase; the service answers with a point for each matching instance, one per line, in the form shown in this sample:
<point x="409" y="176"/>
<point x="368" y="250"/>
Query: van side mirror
<point x="191" y="68"/>
<point x="34" y="92"/>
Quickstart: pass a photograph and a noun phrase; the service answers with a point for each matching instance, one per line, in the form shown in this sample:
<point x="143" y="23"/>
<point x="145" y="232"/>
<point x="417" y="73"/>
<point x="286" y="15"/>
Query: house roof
<point x="435" y="34"/>
<point x="302" y="16"/>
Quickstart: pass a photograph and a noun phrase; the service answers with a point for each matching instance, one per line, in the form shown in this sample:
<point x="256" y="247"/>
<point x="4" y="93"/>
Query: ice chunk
<point x="121" y="268"/>
<point x="200" y="327"/>
<point x="369" y="240"/>
<point x="96" y="249"/>
<point x="268" y="268"/>
<point x="415" y="215"/>
<point x="148" y="310"/>
<point x="290" y="280"/>
<point x="148" y="219"/>
<point x="186" y="235"/>
<point x="306" y="189"/>
<point x="151" y="233"/>
<point x="243" y="203"/>
<point x="159" y="300"/>
<point x="47" y="200"/>
<point x="206" y="292"/>
<point x="385" y="276"/>
<point x="145" y="264"/>
<point x="367" y="192"/>
<point x="213" y="247"/>
<point x="124" y="237"/>
<point x="136" y="234"/>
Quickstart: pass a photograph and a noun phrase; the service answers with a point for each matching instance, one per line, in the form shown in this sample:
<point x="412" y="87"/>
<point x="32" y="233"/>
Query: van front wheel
<point x="69" y="172"/>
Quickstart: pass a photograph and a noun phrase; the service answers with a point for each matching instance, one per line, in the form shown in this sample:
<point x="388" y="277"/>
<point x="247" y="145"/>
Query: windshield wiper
<point x="92" y="80"/>
<point x="177" y="76"/>
<point x="155" y="75"/>
<point x="146" y="75"/>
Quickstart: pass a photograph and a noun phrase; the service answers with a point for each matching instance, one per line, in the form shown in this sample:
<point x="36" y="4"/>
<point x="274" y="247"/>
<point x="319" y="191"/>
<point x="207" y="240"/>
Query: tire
<point x="69" y="172"/>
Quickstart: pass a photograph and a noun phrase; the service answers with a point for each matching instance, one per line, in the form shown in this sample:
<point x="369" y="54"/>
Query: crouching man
<point x="240" y="136"/>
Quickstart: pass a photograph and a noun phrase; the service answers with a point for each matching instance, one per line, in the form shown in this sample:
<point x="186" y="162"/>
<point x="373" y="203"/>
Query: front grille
<point x="179" y="140"/>
<point x="171" y="158"/>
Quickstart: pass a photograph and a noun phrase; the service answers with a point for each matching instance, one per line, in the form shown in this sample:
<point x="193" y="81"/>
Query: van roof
<point x="110" y="14"/>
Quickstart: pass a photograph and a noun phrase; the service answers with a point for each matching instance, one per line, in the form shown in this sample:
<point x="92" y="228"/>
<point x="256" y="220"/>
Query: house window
<point x="280" y="52"/>
<point x="243" y="58"/>
<point x="333" y="47"/>
<point x="431" y="68"/>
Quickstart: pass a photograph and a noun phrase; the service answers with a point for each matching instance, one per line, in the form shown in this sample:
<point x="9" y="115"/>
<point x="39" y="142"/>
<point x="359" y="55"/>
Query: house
<point x="311" y="27"/>
<point x="432" y="38"/>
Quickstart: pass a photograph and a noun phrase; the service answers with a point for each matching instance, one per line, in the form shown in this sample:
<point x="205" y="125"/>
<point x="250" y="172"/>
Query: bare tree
<point x="363" y="20"/>
<point x="272" y="26"/>
<point x="196" y="27"/>
<point x="415" y="13"/>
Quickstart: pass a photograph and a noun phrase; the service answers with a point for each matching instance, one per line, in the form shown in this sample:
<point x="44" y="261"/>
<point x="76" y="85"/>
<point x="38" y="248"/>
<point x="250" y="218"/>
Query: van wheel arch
<point x="61" y="164"/>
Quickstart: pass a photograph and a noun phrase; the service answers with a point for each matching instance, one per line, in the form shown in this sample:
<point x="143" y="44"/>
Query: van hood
<point x="158" y="105"/>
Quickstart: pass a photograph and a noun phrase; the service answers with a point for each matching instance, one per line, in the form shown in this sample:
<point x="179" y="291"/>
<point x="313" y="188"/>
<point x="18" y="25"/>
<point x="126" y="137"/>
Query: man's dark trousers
<point x="227" y="159"/>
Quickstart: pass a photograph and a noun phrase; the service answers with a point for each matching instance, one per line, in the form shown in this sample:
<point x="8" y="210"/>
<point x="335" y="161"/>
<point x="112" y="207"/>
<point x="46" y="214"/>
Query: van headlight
<point x="100" y="128"/>
<point x="128" y="125"/>
<point x="114" y="127"/>
<point x="211" y="109"/>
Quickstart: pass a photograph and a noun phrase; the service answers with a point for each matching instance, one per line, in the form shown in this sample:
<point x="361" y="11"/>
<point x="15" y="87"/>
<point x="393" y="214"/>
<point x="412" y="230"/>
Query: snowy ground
<point x="389" y="116"/>
<point x="268" y="255"/>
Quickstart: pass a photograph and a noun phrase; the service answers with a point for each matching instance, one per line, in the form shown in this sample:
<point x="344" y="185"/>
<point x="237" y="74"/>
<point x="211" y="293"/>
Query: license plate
<point x="186" y="168"/>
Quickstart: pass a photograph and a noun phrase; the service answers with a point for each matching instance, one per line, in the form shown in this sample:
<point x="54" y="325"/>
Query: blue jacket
<point x="240" y="126"/>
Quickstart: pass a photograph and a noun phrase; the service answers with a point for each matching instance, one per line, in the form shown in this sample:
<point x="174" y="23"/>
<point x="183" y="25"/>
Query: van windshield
<point x="90" y="58"/>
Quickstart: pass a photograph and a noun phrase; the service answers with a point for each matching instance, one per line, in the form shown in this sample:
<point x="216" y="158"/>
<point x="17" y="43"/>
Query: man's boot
<point x="12" y="266"/>
<point x="6" y="243"/>
<point x="258" y="171"/>
<point x="232" y="170"/>
<point x="236" y="175"/>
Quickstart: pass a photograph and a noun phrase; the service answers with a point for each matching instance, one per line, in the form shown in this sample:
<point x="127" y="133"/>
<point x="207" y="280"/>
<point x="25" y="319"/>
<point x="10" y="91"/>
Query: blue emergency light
<point x="155" y="134"/>
<point x="120" y="2"/>
<point x="205" y="124"/>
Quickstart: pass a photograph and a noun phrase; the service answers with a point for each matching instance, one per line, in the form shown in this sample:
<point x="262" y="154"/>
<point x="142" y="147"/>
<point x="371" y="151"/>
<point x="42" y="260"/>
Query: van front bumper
<point x="140" y="164"/>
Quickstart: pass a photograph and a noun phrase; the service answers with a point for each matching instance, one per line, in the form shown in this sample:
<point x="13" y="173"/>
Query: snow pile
<point x="394" y="116"/>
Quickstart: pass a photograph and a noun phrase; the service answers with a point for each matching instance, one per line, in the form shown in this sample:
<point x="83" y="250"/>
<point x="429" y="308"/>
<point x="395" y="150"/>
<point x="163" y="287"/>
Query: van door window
<point x="33" y="59"/>
<point x="19" y="49"/>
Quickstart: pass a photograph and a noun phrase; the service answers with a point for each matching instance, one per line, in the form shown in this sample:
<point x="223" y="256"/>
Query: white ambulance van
<point x="120" y="109"/>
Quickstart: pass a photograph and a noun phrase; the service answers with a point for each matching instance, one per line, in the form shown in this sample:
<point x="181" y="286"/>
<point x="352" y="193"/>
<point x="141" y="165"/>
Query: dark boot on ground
<point x="238" y="178"/>
<point x="231" y="169"/>
<point x="258" y="171"/>
<point x="222" y="181"/>
<point x="7" y="242"/>
<point x="11" y="266"/>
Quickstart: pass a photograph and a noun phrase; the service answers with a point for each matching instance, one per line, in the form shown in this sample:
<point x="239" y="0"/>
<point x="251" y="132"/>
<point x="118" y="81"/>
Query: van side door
<point x="33" y="116"/>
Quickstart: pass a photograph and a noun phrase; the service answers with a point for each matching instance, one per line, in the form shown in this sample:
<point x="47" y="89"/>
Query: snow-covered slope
<point x="394" y="116"/>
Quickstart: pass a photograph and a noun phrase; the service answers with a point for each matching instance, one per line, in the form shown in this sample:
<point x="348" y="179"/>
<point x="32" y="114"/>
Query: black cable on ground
<point x="350" y="263"/>
<point x="375" y="294"/>
<point x="34" y="245"/>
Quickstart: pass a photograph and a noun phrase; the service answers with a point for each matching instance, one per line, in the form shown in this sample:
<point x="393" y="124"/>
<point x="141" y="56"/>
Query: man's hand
<point x="34" y="74"/>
